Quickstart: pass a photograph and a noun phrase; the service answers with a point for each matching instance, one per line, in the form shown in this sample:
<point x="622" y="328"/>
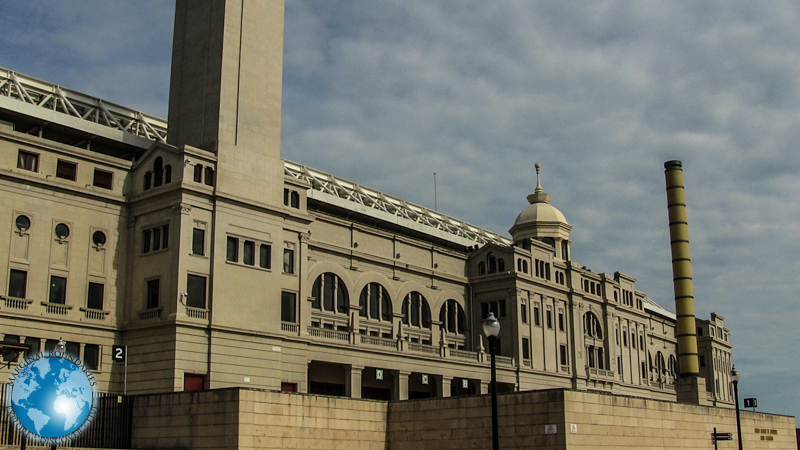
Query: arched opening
<point x="158" y="172"/>
<point x="416" y="312"/>
<point x="329" y="294"/>
<point x="491" y="261"/>
<point x="375" y="303"/>
<point x="453" y="317"/>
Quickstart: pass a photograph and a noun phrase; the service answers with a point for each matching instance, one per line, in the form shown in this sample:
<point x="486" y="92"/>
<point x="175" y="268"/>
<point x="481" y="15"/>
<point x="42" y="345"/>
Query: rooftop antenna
<point x="435" y="200"/>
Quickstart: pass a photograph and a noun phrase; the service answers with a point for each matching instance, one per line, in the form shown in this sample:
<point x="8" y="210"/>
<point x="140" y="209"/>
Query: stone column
<point x="400" y="385"/>
<point x="444" y="387"/>
<point x="354" y="382"/>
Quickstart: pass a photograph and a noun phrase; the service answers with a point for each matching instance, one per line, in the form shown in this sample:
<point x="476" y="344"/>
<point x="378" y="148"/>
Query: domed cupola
<point x="543" y="222"/>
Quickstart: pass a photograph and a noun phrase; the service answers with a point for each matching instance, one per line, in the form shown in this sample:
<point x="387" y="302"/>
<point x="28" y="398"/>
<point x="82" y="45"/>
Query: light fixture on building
<point x="491" y="328"/>
<point x="735" y="381"/>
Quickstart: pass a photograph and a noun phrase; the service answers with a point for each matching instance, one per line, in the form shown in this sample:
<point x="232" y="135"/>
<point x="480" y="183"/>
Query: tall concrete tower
<point x="225" y="91"/>
<point x="690" y="388"/>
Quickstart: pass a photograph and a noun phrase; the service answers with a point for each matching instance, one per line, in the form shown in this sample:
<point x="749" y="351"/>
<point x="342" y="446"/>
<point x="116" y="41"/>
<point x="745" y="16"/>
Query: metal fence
<point x="110" y="428"/>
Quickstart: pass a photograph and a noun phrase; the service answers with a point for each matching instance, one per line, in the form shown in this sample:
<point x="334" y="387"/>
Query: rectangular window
<point x="91" y="356"/>
<point x="196" y="290"/>
<point x="484" y="310"/>
<point x="153" y="294"/>
<point x="94" y="300"/>
<point x="625" y="338"/>
<point x="232" y="253"/>
<point x="549" y="319"/>
<point x="523" y="312"/>
<point x="633" y="339"/>
<point x="249" y="253"/>
<point x="288" y="307"/>
<point x="17" y="283"/>
<point x="561" y="320"/>
<point x="103" y="179"/>
<point x="502" y="309"/>
<point x="265" y="256"/>
<point x="74" y="349"/>
<point x="58" y="290"/>
<point x="526" y="349"/>
<point x="536" y="316"/>
<point x="50" y="345"/>
<point x="66" y="170"/>
<point x="11" y="356"/>
<point x="147" y="240"/>
<point x="563" y="353"/>
<point x="155" y="239"/>
<point x="198" y="241"/>
<point x="702" y="360"/>
<point x="33" y="345"/>
<point x="641" y="341"/>
<point x="28" y="161"/>
<point x="619" y="365"/>
<point x="288" y="260"/>
<point x="209" y="173"/>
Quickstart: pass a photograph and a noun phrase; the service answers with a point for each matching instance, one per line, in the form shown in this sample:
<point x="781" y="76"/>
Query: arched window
<point x="519" y="265"/>
<point x="375" y="303"/>
<point x="416" y="311"/>
<point x="501" y="265"/>
<point x="295" y="199"/>
<point x="525" y="266"/>
<point x="661" y="367"/>
<point x="452" y="317"/>
<point x="198" y="173"/>
<point x="591" y="326"/>
<point x="158" y="172"/>
<point x="209" y="176"/>
<point x="329" y="293"/>
<point x="167" y="174"/>
<point x="673" y="366"/>
<point x="565" y="250"/>
<point x="491" y="261"/>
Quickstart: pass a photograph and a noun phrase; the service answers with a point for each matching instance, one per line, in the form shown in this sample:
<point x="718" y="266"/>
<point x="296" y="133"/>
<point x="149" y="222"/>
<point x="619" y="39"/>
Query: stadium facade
<point x="219" y="264"/>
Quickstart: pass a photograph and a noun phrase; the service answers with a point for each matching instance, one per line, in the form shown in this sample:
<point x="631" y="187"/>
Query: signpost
<point x="751" y="403"/>
<point x="720" y="437"/>
<point x="119" y="353"/>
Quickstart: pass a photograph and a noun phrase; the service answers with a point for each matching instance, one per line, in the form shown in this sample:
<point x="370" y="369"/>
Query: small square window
<point x="28" y="161"/>
<point x="288" y="307"/>
<point x="198" y="241"/>
<point x="91" y="356"/>
<point x="288" y="260"/>
<point x="526" y="349"/>
<point x="153" y="294"/>
<point x="232" y="253"/>
<point x="94" y="299"/>
<point x="66" y="170"/>
<point x="103" y="179"/>
<point x="249" y="253"/>
<point x="196" y="290"/>
<point x="58" y="290"/>
<point x="265" y="256"/>
<point x="17" y="283"/>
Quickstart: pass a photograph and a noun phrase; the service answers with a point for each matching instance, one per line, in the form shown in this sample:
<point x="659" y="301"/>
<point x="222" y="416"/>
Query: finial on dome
<point x="538" y="180"/>
<point x="539" y="196"/>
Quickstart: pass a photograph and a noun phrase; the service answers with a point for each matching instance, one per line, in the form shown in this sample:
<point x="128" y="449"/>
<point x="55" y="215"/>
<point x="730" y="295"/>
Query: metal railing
<point x="48" y="96"/>
<point x="110" y="428"/>
<point x="379" y="341"/>
<point x="329" y="334"/>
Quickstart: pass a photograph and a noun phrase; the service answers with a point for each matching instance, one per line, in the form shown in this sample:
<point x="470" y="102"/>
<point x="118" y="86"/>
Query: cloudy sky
<point x="600" y="93"/>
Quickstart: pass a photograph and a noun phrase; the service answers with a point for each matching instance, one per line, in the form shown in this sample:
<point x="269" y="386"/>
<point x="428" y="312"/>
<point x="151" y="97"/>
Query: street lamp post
<point x="735" y="380"/>
<point x="491" y="327"/>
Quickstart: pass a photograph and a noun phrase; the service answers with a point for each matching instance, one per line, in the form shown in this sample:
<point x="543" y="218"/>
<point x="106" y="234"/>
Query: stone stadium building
<point x="219" y="264"/>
